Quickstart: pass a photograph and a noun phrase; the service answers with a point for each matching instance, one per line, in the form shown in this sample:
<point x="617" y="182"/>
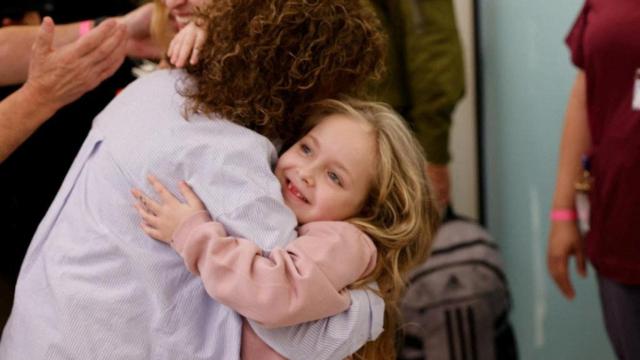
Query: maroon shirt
<point x="605" y="44"/>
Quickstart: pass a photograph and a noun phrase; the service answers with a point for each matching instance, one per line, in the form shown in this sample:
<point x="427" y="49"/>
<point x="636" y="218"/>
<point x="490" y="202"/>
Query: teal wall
<point x="526" y="78"/>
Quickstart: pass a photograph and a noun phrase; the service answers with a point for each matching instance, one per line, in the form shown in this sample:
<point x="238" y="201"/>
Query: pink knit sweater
<point x="302" y="282"/>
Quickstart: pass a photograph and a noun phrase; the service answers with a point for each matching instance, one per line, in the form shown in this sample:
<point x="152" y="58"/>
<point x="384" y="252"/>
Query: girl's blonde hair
<point x="399" y="215"/>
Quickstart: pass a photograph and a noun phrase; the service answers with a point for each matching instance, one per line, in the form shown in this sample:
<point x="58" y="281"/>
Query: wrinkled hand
<point x="186" y="45"/>
<point x="138" y="23"/>
<point x="440" y="183"/>
<point x="63" y="75"/>
<point x="565" y="241"/>
<point x="162" y="218"/>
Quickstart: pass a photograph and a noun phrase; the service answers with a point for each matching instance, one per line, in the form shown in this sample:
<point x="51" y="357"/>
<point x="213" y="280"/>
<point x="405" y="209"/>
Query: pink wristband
<point x="563" y="215"/>
<point x="85" y="27"/>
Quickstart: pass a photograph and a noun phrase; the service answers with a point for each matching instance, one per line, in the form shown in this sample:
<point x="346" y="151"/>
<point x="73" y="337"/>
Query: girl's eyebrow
<point x="315" y="141"/>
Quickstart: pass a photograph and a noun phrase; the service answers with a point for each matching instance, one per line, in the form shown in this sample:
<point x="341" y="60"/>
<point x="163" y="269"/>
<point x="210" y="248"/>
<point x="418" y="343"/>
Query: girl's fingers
<point x="190" y="195"/>
<point x="154" y="233"/>
<point x="194" y="56"/>
<point x="175" y="43"/>
<point x="186" y="49"/>
<point x="147" y="216"/>
<point x="161" y="190"/>
<point x="146" y="202"/>
<point x="200" y="38"/>
<point x="174" y="56"/>
<point x="177" y="57"/>
<point x="172" y="46"/>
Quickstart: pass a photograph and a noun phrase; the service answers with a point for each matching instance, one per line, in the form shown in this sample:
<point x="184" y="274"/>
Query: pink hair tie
<point x="85" y="27"/>
<point x="563" y="215"/>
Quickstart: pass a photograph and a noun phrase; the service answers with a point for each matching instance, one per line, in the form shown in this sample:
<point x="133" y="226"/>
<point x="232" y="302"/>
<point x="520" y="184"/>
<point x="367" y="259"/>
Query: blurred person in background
<point x="602" y="126"/>
<point x="425" y="77"/>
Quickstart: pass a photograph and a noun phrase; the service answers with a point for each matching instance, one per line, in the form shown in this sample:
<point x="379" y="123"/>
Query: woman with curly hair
<point x="93" y="285"/>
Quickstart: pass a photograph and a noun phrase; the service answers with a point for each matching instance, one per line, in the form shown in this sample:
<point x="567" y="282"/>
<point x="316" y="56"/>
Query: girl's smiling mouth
<point x="295" y="192"/>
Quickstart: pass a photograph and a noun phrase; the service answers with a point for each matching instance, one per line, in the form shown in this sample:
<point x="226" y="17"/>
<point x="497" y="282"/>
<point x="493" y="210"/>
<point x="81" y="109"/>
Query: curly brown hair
<point x="264" y="60"/>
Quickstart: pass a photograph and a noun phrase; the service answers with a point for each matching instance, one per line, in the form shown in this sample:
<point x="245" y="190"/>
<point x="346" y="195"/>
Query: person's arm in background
<point x="140" y="44"/>
<point x="58" y="77"/>
<point x="435" y="73"/>
<point x="564" y="237"/>
<point x="16" y="43"/>
<point x="15" y="48"/>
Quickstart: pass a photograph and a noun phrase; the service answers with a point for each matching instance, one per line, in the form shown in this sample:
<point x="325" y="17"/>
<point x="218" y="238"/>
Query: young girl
<point x="356" y="185"/>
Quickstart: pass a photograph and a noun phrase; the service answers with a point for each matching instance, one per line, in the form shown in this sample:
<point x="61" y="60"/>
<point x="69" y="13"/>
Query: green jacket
<point x="425" y="74"/>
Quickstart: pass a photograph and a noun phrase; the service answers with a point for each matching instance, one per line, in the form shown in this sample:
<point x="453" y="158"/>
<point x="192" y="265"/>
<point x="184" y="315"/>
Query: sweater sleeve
<point x="302" y="282"/>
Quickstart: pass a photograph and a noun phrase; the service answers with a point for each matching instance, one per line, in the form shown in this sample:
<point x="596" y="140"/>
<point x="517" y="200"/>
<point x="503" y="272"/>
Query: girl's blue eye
<point x="305" y="148"/>
<point x="335" y="178"/>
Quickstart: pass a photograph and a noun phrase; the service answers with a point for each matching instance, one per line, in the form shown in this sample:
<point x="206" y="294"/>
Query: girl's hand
<point x="186" y="45"/>
<point x="161" y="219"/>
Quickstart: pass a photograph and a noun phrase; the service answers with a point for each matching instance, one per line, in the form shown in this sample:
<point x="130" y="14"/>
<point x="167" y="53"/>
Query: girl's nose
<point x="306" y="175"/>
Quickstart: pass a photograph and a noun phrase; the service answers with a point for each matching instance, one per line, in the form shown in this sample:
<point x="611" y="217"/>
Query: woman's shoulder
<point x="164" y="80"/>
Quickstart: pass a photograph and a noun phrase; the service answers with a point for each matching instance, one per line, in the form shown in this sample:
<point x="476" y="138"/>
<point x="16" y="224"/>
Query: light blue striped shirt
<point x="94" y="286"/>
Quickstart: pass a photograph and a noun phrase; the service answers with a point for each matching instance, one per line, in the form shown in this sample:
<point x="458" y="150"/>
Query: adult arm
<point x="58" y="77"/>
<point x="16" y="43"/>
<point x="302" y="282"/>
<point x="564" y="238"/>
<point x="140" y="43"/>
<point x="15" y="49"/>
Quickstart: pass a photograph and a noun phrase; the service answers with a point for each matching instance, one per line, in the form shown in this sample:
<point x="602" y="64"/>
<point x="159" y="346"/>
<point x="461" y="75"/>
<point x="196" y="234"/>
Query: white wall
<point x="527" y="76"/>
<point x="463" y="141"/>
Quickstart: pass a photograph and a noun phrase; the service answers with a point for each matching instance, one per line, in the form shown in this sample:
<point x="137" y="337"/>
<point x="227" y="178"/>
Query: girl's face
<point x="181" y="11"/>
<point x="328" y="173"/>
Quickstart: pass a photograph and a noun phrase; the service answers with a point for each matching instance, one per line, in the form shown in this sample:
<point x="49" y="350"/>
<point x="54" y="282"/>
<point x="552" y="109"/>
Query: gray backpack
<point x="457" y="303"/>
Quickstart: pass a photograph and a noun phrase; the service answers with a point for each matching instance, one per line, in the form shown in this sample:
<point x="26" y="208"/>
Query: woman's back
<point x="97" y="269"/>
